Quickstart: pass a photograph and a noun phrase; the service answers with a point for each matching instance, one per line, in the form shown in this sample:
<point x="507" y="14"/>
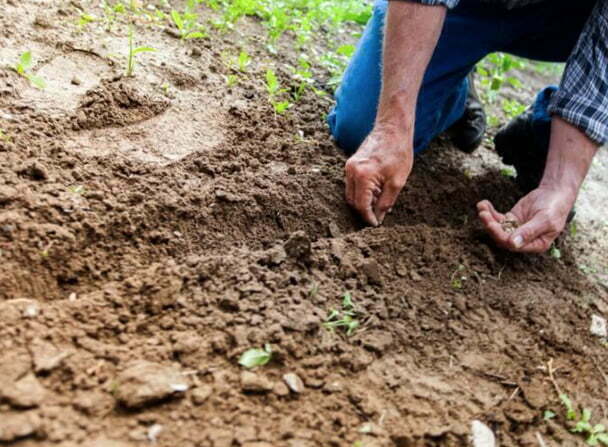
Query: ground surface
<point x="172" y="220"/>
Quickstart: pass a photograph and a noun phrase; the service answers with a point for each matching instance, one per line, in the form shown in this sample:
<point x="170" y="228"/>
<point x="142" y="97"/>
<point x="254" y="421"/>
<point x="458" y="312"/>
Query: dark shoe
<point x="467" y="133"/>
<point x="525" y="147"/>
<point x="519" y="145"/>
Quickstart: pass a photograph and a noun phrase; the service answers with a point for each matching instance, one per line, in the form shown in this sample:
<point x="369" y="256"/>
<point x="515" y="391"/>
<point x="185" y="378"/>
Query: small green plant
<point x="555" y="252"/>
<point x="187" y="24"/>
<point x="345" y="318"/>
<point x="273" y="87"/>
<point x="513" y="108"/>
<point x="243" y="61"/>
<point x="594" y="434"/>
<point x="458" y="278"/>
<point x="256" y="357"/>
<point x="493" y="73"/>
<point x="4" y="137"/>
<point x="23" y="68"/>
<point x="231" y="80"/>
<point x="134" y="52"/>
<point x="508" y="172"/>
<point x="77" y="189"/>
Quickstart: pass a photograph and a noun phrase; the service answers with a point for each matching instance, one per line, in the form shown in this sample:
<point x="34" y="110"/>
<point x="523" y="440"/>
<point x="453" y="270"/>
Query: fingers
<point x="534" y="236"/>
<point x="387" y="198"/>
<point x="364" y="199"/>
<point x="486" y="205"/>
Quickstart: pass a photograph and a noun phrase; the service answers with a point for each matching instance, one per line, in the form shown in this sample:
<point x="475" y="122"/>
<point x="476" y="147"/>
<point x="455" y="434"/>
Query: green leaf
<point x="272" y="83"/>
<point x="37" y="81"/>
<point x="599" y="428"/>
<point x="586" y="416"/>
<point x="281" y="107"/>
<point x="25" y="61"/>
<point x="195" y="35"/>
<point x="255" y="357"/>
<point x="548" y="415"/>
<point x="603" y="438"/>
<point x="346" y="50"/>
<point x="177" y="19"/>
<point x="144" y="50"/>
<point x="582" y="427"/>
<point x="570" y="412"/>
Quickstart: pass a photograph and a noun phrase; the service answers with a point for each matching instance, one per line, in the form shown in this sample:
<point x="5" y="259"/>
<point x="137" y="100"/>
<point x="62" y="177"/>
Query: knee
<point x="347" y="129"/>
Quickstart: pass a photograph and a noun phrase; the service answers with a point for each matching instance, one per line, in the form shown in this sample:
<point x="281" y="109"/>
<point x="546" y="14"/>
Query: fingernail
<point x="518" y="241"/>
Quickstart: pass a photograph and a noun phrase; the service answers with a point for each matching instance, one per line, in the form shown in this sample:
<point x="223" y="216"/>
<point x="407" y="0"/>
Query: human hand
<point x="377" y="172"/>
<point x="533" y="223"/>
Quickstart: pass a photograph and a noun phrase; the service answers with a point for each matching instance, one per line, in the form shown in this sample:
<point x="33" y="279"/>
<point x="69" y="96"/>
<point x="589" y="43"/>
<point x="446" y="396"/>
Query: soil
<point x="149" y="235"/>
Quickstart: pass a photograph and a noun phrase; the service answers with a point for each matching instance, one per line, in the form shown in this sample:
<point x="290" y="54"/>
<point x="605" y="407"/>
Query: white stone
<point x="153" y="432"/>
<point x="598" y="326"/>
<point x="482" y="435"/>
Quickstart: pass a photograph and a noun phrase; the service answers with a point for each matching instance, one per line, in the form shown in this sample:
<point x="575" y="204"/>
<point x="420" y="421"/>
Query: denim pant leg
<point x="444" y="89"/>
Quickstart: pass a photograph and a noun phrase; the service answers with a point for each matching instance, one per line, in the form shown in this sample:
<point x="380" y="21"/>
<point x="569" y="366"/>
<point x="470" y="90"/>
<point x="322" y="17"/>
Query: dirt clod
<point x="14" y="426"/>
<point x="26" y="392"/>
<point x="255" y="383"/>
<point x="145" y="382"/>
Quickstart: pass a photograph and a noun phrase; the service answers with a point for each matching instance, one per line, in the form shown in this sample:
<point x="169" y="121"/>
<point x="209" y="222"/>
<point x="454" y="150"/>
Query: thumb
<point x="529" y="232"/>
<point x="387" y="198"/>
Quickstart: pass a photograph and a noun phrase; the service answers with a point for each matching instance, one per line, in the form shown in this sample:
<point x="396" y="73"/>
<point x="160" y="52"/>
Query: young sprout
<point x="231" y="80"/>
<point x="23" y="68"/>
<point x="187" y="25"/>
<point x="134" y="52"/>
<point x="594" y="434"/>
<point x="274" y="88"/>
<point x="256" y="357"/>
<point x="345" y="318"/>
<point x="243" y="61"/>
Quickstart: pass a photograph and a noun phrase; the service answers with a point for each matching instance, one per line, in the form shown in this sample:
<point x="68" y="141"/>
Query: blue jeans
<point x="547" y="31"/>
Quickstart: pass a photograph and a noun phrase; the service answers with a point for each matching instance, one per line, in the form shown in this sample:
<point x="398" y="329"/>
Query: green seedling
<point x="573" y="229"/>
<point x="231" y="80"/>
<point x="23" y="68"/>
<point x="256" y="357"/>
<point x="458" y="278"/>
<point x="508" y="172"/>
<point x="84" y="20"/>
<point x="4" y="137"/>
<point x="555" y="252"/>
<point x="187" y="25"/>
<point x="493" y="73"/>
<point x="512" y="107"/>
<point x="594" y="434"/>
<point x="243" y="61"/>
<point x="134" y="52"/>
<point x="274" y="89"/>
<point x="77" y="189"/>
<point x="346" y="318"/>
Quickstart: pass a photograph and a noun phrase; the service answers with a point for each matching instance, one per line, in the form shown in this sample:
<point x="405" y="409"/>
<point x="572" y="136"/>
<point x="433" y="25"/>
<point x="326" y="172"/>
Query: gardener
<point x="408" y="81"/>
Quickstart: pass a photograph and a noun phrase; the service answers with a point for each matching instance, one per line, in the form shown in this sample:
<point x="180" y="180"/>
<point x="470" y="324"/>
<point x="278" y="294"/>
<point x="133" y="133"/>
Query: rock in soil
<point x="146" y="382"/>
<point x="254" y="383"/>
<point x="25" y="393"/>
<point x="598" y="326"/>
<point x="482" y="436"/>
<point x="14" y="426"/>
<point x="45" y="356"/>
<point x="294" y="382"/>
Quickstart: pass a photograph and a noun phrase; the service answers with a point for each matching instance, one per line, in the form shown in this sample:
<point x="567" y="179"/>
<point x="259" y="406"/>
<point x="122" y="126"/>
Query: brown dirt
<point x="182" y="229"/>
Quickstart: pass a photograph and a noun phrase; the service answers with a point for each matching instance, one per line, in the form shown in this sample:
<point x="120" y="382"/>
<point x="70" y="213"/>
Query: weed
<point x="345" y="318"/>
<point x="594" y="434"/>
<point x="256" y="357"/>
<point x="458" y="278"/>
<point x="243" y="61"/>
<point x="187" y="22"/>
<point x="134" y="52"/>
<point x="573" y="229"/>
<point x="4" y="137"/>
<point x="493" y="70"/>
<point x="231" y="80"/>
<point x="555" y="252"/>
<point x="508" y="172"/>
<point x="23" y="68"/>
<point x="512" y="107"/>
<point x="273" y="87"/>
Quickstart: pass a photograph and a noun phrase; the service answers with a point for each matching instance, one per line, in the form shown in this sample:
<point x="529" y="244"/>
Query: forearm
<point x="411" y="34"/>
<point x="570" y="155"/>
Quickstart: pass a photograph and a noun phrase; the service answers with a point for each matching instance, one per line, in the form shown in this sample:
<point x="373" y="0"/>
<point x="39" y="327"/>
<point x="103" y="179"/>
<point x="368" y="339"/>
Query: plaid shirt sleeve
<point x="447" y="3"/>
<point x="582" y="98"/>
